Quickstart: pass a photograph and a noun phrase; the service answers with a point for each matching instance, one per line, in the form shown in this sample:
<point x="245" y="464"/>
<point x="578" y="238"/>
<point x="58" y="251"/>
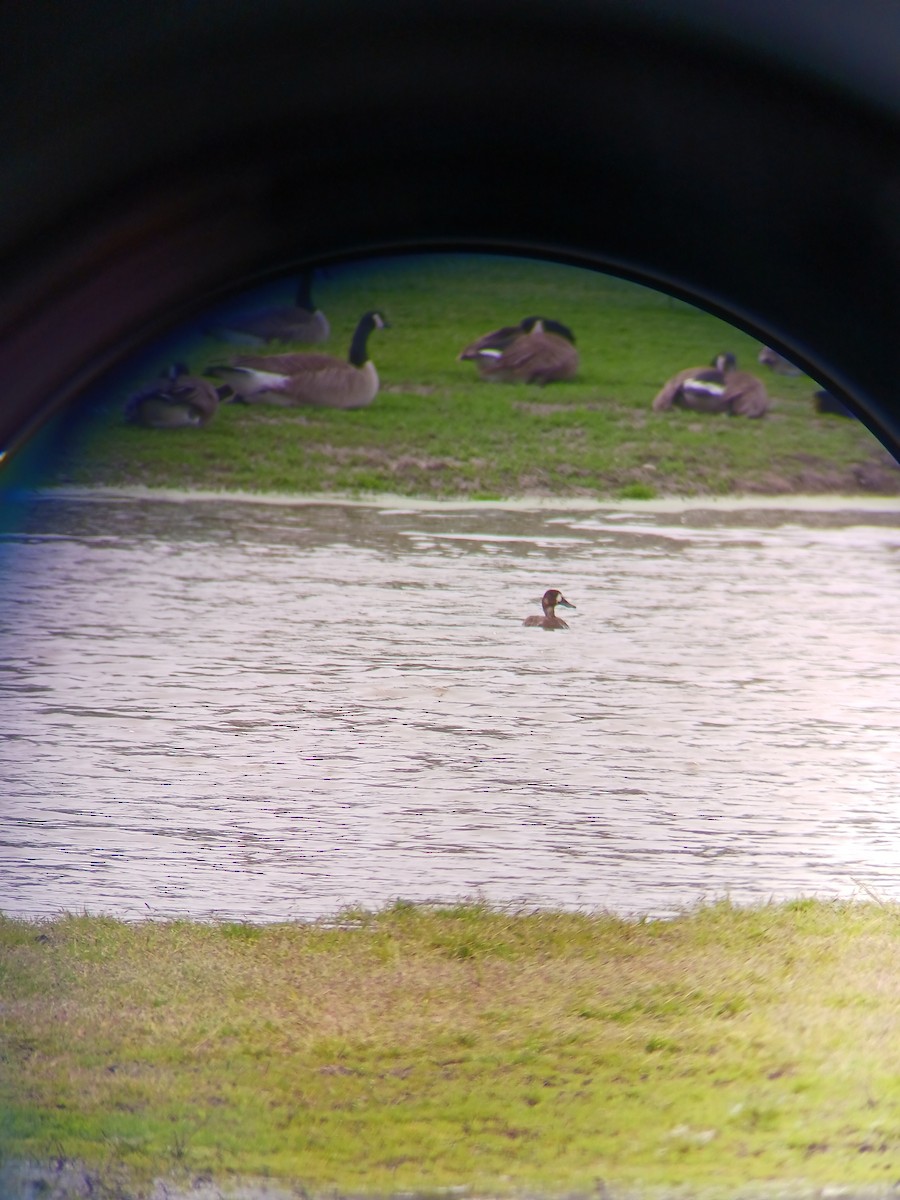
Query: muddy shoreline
<point x="63" y="1179"/>
<point x="745" y="502"/>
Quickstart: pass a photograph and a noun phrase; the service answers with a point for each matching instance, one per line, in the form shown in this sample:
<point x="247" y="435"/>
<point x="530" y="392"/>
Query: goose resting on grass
<point x="745" y="395"/>
<point x="777" y="362"/>
<point x="825" y="402"/>
<point x="537" y="350"/>
<point x="177" y="400"/>
<point x="718" y="388"/>
<point x="297" y="322"/>
<point x="308" y="378"/>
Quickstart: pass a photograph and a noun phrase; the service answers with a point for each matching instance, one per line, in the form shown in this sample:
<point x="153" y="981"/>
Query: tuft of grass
<point x="437" y="430"/>
<point x="421" y="1048"/>
<point x="637" y="491"/>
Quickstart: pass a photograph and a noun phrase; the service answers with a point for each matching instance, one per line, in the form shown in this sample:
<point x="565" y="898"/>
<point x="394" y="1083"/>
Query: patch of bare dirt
<point x="410" y="389"/>
<point x="284" y="417"/>
<point x="383" y="460"/>
<point x="536" y="409"/>
<point x="879" y="475"/>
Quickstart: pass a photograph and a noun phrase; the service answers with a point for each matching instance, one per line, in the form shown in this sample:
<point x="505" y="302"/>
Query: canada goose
<point x="177" y="400"/>
<point x="499" y="339"/>
<point x="550" y="620"/>
<point x="745" y="395"/>
<point x="826" y="403"/>
<point x="699" y="388"/>
<point x="718" y="388"/>
<point x="537" y="350"/>
<point x="298" y="322"/>
<point x="318" y="379"/>
<point x="777" y="362"/>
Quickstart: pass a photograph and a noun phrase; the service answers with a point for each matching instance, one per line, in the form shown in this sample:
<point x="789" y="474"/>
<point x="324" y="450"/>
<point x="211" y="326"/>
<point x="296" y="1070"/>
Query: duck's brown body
<point x="549" y="620"/>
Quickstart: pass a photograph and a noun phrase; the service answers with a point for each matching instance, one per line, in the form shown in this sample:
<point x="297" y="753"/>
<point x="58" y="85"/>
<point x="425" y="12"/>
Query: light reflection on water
<point x="265" y="712"/>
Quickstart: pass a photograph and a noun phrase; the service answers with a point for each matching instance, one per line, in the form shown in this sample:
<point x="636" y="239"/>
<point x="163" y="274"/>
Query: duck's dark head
<point x="553" y="599"/>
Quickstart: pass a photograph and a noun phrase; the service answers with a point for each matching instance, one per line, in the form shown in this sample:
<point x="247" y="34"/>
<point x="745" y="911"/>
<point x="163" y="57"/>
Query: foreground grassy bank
<point x="419" y="1049"/>
<point x="435" y="429"/>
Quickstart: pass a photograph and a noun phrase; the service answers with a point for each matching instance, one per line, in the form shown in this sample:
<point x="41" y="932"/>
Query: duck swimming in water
<point x="550" y="620"/>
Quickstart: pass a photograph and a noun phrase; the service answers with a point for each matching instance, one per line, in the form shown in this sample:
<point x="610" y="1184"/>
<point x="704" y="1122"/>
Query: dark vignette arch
<point x="747" y="160"/>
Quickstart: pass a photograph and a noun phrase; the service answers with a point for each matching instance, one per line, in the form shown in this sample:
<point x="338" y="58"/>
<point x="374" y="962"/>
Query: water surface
<point x="270" y="711"/>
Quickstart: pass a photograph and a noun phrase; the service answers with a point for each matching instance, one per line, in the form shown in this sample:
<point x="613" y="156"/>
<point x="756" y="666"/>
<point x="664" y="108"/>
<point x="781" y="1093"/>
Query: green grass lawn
<point x="420" y="1049"/>
<point x="436" y="430"/>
